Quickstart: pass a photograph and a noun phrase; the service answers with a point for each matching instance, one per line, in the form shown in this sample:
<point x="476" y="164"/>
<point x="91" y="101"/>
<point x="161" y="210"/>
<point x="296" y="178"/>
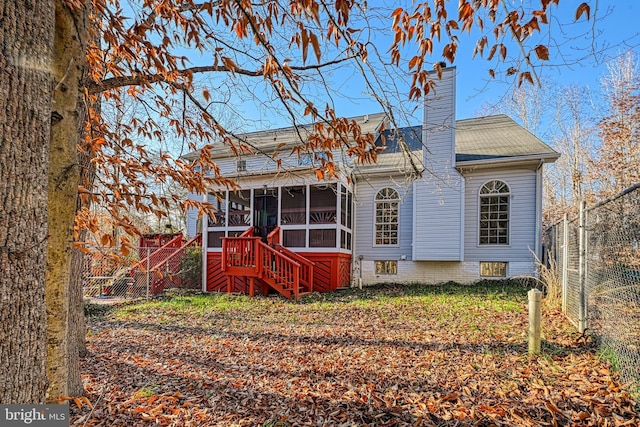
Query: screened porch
<point x="312" y="217"/>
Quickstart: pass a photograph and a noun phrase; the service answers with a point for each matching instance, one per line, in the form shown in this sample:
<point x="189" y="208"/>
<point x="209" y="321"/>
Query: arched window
<point x="494" y="213"/>
<point x="386" y="221"/>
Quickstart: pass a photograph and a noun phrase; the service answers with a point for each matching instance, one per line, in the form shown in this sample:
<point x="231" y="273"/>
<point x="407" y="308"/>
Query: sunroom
<point x="313" y="220"/>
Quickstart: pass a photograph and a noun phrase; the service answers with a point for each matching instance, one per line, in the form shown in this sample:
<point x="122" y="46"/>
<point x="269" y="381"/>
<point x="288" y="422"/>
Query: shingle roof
<point x="478" y="139"/>
<point x="496" y="137"/>
<point x="281" y="139"/>
<point x="484" y="138"/>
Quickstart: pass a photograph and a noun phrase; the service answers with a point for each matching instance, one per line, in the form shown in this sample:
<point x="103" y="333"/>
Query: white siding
<point x="439" y="196"/>
<point x="264" y="163"/>
<point x="192" y="216"/>
<point x="522" y="216"/>
<point x="365" y="193"/>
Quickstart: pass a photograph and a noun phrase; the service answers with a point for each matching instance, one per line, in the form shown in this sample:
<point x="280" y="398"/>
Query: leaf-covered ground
<point x="388" y="356"/>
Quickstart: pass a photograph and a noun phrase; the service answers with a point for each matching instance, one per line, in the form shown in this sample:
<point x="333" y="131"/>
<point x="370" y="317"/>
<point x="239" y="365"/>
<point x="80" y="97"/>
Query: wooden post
<point x="535" y="299"/>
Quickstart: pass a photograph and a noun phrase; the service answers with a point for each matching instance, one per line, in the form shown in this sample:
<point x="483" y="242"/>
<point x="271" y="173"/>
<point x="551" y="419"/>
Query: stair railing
<point x="306" y="266"/>
<point x="281" y="269"/>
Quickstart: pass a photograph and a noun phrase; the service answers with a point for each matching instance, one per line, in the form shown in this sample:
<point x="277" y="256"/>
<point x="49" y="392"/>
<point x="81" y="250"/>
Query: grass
<point x="405" y="301"/>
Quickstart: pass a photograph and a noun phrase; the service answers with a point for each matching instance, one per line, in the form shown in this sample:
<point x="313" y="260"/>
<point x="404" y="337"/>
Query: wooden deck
<point x="247" y="265"/>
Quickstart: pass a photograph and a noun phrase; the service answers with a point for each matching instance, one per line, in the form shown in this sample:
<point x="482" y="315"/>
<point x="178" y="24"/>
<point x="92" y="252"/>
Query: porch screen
<point x="219" y="202"/>
<point x="239" y="208"/>
<point x="294" y="203"/>
<point x="323" y="202"/>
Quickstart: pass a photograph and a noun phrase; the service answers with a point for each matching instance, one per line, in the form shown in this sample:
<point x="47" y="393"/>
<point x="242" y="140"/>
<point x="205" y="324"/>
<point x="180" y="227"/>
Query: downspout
<point x="354" y="217"/>
<point x="205" y="245"/>
<point x="538" y="236"/>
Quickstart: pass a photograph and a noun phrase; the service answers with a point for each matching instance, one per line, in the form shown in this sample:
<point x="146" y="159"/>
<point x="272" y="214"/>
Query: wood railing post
<point x="296" y="282"/>
<point x="535" y="299"/>
<point x="223" y="264"/>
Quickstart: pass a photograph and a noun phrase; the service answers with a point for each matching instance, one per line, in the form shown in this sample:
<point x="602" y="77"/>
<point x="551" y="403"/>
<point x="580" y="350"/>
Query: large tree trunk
<point x="26" y="37"/>
<point x="77" y="325"/>
<point x="64" y="174"/>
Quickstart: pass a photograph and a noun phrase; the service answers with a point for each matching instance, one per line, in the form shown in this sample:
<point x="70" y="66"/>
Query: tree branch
<point x="137" y="80"/>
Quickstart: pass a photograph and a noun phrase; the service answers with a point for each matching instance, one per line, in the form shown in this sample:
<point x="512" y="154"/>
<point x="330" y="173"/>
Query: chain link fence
<point x="145" y="273"/>
<point x="598" y="261"/>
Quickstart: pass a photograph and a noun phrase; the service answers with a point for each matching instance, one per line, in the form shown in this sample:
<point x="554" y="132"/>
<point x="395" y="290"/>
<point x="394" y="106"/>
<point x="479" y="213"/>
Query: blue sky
<point x="583" y="63"/>
<point x="617" y="31"/>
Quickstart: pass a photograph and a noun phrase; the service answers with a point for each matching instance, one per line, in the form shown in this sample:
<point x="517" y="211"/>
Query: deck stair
<point x="161" y="265"/>
<point x="268" y="264"/>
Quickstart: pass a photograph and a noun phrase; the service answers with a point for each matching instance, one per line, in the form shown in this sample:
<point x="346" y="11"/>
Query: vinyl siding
<point x="439" y="197"/>
<point x="261" y="163"/>
<point x="365" y="193"/>
<point x="522" y="216"/>
<point x="192" y="216"/>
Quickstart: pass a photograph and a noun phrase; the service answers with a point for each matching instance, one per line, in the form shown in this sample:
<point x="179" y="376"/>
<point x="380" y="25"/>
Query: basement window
<point x="493" y="269"/>
<point x="387" y="267"/>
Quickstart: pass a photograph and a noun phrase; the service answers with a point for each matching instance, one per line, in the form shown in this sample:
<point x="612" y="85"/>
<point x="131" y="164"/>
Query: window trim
<point x="375" y="222"/>
<point x="480" y="197"/>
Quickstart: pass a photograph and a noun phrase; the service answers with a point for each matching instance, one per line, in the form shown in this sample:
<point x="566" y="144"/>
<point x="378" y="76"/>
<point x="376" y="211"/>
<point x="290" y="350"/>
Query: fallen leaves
<point x="379" y="357"/>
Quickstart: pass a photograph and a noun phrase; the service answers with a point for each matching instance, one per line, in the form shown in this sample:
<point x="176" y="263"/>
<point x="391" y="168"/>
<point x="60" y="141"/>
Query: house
<point x="452" y="200"/>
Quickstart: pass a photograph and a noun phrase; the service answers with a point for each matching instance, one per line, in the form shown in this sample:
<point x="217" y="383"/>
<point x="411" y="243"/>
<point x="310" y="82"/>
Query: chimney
<point x="438" y="127"/>
<point x="439" y="195"/>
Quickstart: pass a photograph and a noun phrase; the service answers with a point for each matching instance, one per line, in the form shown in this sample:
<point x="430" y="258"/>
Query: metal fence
<point x="146" y="272"/>
<point x="598" y="261"/>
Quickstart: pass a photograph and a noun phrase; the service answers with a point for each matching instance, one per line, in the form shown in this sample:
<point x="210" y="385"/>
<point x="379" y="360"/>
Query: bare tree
<point x="618" y="163"/>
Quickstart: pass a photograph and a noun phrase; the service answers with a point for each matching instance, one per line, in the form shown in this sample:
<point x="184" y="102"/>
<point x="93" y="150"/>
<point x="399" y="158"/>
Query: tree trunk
<point x="77" y="328"/>
<point x="64" y="174"/>
<point x="26" y="37"/>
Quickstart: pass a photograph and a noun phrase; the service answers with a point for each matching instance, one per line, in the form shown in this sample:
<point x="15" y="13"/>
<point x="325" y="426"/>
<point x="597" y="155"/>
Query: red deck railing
<point x="162" y="264"/>
<point x="158" y="255"/>
<point x="282" y="269"/>
<point x="306" y="266"/>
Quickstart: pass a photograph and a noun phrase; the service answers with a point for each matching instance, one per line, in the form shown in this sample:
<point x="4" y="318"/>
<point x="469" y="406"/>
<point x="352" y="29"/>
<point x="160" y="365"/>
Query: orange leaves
<point x="79" y="401"/>
<point x="583" y="9"/>
<point x="525" y="76"/>
<point x="494" y="49"/>
<point x="542" y="52"/>
<point x="309" y="38"/>
<point x="229" y="64"/>
<point x="388" y="355"/>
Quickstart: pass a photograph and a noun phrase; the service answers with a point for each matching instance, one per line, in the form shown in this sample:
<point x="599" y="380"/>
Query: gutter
<point x="545" y="158"/>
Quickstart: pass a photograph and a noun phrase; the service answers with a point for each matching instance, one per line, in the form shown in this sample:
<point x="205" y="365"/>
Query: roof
<point x="272" y="140"/>
<point x="497" y="137"/>
<point x="483" y="139"/>
<point x="478" y="140"/>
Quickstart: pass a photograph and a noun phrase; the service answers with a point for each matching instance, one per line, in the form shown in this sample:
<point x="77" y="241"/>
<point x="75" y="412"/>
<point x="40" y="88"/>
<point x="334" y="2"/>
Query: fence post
<point x="582" y="320"/>
<point x="565" y="256"/>
<point x="535" y="299"/>
<point x="148" y="272"/>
